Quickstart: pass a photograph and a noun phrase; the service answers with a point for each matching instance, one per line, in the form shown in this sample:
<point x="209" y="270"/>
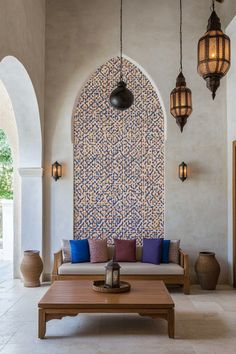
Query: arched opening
<point x="10" y="209"/>
<point x="6" y="203"/>
<point x="21" y="122"/>
<point x="118" y="158"/>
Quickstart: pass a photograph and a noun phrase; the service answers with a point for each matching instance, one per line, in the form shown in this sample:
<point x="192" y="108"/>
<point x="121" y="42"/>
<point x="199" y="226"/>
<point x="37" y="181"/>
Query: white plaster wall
<point x="231" y="135"/>
<point x="22" y="33"/>
<point x="80" y="36"/>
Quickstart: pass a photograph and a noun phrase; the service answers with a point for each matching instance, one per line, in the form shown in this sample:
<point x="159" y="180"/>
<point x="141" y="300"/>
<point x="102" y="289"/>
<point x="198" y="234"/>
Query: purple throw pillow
<point x="152" y="250"/>
<point x="98" y="250"/>
<point x="125" y="250"/>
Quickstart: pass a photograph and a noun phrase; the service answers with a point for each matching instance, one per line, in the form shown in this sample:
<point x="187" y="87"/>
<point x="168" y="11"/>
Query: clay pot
<point x="31" y="268"/>
<point x="208" y="270"/>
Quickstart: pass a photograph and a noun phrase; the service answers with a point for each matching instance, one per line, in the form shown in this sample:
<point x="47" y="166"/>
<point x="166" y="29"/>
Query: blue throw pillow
<point x="79" y="251"/>
<point x="151" y="252"/>
<point x="165" y="251"/>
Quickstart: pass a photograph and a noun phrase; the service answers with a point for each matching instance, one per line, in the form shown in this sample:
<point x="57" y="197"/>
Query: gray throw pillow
<point x="66" y="254"/>
<point x="174" y="251"/>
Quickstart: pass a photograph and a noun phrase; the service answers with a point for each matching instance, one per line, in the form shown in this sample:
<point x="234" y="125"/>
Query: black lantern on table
<point x="213" y="53"/>
<point x="112" y="278"/>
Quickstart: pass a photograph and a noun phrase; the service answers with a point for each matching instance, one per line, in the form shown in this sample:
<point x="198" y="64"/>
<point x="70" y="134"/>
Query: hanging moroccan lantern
<point x="121" y="97"/>
<point x="181" y="96"/>
<point x="181" y="101"/>
<point x="213" y="53"/>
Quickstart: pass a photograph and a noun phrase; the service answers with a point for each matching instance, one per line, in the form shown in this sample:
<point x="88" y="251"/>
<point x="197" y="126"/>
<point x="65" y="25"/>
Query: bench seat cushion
<point x="127" y="268"/>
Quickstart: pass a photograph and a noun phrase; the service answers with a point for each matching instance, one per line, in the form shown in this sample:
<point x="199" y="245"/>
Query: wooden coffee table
<point x="72" y="297"/>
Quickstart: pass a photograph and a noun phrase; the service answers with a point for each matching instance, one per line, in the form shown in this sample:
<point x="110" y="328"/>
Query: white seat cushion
<point x="127" y="268"/>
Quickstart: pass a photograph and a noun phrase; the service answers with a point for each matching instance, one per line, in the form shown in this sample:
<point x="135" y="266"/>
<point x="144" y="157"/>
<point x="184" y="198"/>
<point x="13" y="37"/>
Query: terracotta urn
<point x="208" y="270"/>
<point x="31" y="268"/>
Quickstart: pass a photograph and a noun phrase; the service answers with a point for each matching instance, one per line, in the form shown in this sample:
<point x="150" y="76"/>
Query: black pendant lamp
<point x="213" y="53"/>
<point x="181" y="96"/>
<point x="121" y="98"/>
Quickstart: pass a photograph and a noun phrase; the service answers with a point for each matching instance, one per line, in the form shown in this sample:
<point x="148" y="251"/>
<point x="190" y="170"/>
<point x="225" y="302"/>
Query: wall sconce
<point x="56" y="171"/>
<point x="183" y="171"/>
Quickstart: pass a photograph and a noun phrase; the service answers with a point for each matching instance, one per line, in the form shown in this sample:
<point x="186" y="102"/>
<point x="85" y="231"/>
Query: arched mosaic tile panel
<point x="118" y="159"/>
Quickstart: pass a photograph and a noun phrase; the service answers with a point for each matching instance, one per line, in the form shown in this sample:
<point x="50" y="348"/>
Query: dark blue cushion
<point x="151" y="252"/>
<point x="79" y="251"/>
<point x="165" y="251"/>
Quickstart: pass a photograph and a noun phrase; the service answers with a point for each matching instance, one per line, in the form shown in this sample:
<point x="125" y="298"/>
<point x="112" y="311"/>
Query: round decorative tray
<point x="98" y="285"/>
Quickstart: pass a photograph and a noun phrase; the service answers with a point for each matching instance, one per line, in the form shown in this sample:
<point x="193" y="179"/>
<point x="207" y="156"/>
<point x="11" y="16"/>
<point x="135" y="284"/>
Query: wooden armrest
<point x="184" y="261"/>
<point x="56" y="263"/>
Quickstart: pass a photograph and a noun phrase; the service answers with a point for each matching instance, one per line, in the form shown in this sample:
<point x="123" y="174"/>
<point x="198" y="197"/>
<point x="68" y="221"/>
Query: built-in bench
<point x="170" y="273"/>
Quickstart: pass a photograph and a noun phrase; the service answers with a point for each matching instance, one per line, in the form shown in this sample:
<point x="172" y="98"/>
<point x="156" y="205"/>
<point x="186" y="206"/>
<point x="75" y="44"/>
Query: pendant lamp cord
<point x="213" y="5"/>
<point x="121" y="40"/>
<point x="180" y="36"/>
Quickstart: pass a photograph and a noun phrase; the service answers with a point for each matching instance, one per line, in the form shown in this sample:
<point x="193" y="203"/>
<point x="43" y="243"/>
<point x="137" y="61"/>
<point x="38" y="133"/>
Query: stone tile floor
<point x="6" y="270"/>
<point x="205" y="323"/>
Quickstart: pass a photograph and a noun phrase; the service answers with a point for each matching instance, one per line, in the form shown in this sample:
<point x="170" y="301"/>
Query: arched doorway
<point x="24" y="132"/>
<point x="6" y="201"/>
<point x="118" y="158"/>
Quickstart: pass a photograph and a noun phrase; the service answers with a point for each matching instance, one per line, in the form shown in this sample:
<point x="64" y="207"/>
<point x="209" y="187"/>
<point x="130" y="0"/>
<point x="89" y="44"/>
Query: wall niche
<point x="118" y="159"/>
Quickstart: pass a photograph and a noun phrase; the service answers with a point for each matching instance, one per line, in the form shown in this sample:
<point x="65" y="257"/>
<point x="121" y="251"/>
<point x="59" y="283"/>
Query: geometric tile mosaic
<point x="118" y="159"/>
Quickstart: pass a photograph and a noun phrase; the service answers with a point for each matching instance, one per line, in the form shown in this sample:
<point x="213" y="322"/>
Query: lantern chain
<point x="180" y="35"/>
<point x="121" y="40"/>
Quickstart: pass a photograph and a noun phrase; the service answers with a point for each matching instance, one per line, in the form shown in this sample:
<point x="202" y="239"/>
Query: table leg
<point x="41" y="323"/>
<point x="171" y="323"/>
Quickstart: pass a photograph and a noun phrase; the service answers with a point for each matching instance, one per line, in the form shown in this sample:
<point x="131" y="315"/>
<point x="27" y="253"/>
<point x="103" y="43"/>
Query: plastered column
<point x="31" y="209"/>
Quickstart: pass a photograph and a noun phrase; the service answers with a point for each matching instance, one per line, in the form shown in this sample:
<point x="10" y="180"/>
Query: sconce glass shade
<point x="56" y="171"/>
<point x="112" y="277"/>
<point x="183" y="171"/>
<point x="213" y="54"/>
<point x="121" y="98"/>
<point x="181" y="101"/>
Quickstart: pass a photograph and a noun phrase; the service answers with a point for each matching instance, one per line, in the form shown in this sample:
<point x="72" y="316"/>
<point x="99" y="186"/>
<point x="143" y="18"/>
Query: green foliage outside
<point x="6" y="168"/>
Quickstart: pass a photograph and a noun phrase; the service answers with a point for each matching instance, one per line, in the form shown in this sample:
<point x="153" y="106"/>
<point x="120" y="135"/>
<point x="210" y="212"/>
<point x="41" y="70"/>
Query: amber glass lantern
<point x="181" y="96"/>
<point x="183" y="171"/>
<point x="56" y="170"/>
<point x="112" y="276"/>
<point x="181" y="101"/>
<point x="213" y="54"/>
